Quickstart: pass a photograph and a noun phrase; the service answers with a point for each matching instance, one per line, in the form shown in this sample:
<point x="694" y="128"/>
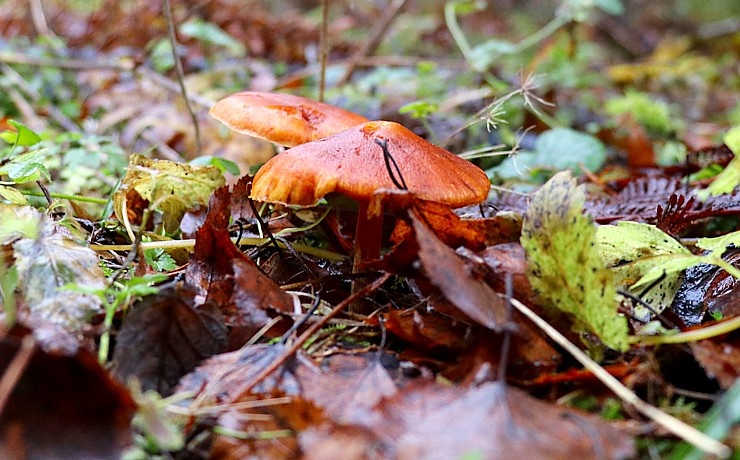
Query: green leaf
<point x="564" y="268"/>
<point x="222" y="164"/>
<point x="159" y="260"/>
<point x="633" y="250"/>
<point x="419" y="109"/>
<point x="18" y="222"/>
<point x="556" y="149"/>
<point x="212" y="34"/>
<point x="719" y="244"/>
<point x="728" y="179"/>
<point x="27" y="167"/>
<point x="12" y="195"/>
<point x="648" y="112"/>
<point x="23" y="136"/>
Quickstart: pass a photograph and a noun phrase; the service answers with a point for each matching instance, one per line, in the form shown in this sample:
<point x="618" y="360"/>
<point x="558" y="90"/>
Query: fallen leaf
<point x="565" y="270"/>
<point x="453" y="277"/>
<point x="170" y="188"/>
<point x="632" y="249"/>
<point x="720" y="358"/>
<point x="164" y="337"/>
<point x="65" y="404"/>
<point x="492" y="421"/>
<point x="48" y="263"/>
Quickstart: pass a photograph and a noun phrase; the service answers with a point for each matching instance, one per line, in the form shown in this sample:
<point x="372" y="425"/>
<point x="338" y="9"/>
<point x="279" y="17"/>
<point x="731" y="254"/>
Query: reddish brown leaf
<point x="492" y="421"/>
<point x="164" y="337"/>
<point x="230" y="280"/>
<point x="720" y="358"/>
<point x="453" y="277"/>
<point x="65" y="404"/>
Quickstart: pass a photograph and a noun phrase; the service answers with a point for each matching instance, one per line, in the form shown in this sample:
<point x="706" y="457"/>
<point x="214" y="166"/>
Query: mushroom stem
<point x="368" y="237"/>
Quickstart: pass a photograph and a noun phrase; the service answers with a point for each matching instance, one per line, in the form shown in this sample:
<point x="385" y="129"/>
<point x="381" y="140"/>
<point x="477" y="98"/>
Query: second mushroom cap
<point x="351" y="163"/>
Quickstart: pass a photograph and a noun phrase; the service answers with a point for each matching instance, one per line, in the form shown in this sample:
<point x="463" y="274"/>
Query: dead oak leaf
<point x="449" y="272"/>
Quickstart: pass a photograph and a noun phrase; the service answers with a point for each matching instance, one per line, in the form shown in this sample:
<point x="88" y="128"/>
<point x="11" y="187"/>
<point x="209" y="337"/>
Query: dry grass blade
<point x="687" y="433"/>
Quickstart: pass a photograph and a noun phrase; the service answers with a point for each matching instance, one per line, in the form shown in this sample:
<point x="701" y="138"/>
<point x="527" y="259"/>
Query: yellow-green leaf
<point x="564" y="268"/>
<point x="170" y="188"/>
<point x="729" y="178"/>
<point x="633" y="250"/>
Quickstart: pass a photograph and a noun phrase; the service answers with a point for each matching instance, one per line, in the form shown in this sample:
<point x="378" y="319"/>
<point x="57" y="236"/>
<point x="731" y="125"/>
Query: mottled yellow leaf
<point x="633" y="249"/>
<point x="564" y="268"/>
<point x="170" y="188"/>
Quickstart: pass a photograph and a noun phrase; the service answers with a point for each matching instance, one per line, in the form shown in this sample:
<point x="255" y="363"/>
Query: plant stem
<point x="672" y="424"/>
<point x="64" y="196"/>
<point x="189" y="243"/>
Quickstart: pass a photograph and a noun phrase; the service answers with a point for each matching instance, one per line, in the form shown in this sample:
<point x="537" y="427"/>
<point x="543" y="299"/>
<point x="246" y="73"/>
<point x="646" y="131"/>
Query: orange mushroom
<point x="353" y="164"/>
<point x="282" y="118"/>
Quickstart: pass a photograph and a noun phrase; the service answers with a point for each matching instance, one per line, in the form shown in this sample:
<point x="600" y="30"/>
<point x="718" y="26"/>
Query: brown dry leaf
<point x="164" y="337"/>
<point x="65" y="404"/>
<point x="347" y="387"/>
<point x="222" y="378"/>
<point x="492" y="421"/>
<point x="720" y="358"/>
<point x="229" y="280"/>
<point x="454" y="278"/>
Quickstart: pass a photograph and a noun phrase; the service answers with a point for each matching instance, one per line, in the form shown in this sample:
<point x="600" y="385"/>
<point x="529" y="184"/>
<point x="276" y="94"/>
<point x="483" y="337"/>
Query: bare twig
<point x="15" y="369"/>
<point x="298" y="343"/>
<point x="376" y="37"/>
<point x="670" y="423"/>
<point x="166" y="7"/>
<point x="324" y="47"/>
<point x="38" y="18"/>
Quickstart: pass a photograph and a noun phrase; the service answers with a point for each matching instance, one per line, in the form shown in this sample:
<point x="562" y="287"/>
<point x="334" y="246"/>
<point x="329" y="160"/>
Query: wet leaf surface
<point x="165" y="336"/>
<point x="65" y="404"/>
<point x="564" y="269"/>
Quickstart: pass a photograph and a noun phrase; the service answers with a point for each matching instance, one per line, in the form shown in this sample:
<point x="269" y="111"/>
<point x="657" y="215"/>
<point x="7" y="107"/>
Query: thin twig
<point x="375" y="39"/>
<point x="15" y="369"/>
<point x="682" y="430"/>
<point x="298" y="343"/>
<point x="323" y="47"/>
<point x="180" y="73"/>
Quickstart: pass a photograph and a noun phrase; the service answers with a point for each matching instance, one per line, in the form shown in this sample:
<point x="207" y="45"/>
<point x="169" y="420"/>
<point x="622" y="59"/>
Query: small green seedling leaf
<point x="729" y="178"/>
<point x="18" y="222"/>
<point x="556" y="149"/>
<point x="564" y="268"/>
<point x="12" y="195"/>
<point x="224" y="165"/>
<point x="634" y="249"/>
<point x="27" y="167"/>
<point x="23" y="136"/>
<point x="719" y="244"/>
<point x="212" y="34"/>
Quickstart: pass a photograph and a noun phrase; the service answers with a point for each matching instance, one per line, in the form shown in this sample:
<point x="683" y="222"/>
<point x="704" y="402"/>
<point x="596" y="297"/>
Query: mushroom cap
<point x="351" y="164"/>
<point x="282" y="118"/>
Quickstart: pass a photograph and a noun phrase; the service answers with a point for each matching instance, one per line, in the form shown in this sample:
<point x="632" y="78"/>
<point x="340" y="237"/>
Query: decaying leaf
<point x="451" y="275"/>
<point x="170" y="188"/>
<point x="632" y="249"/>
<point x="65" y="404"/>
<point x="492" y="421"/>
<point x="48" y="263"/>
<point x="164" y="337"/>
<point x="563" y="266"/>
